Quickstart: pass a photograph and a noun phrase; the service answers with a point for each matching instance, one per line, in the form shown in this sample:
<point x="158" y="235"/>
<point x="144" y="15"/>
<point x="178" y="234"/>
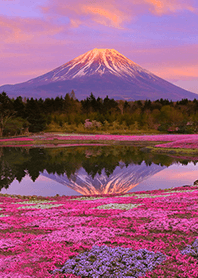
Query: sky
<point x="40" y="35"/>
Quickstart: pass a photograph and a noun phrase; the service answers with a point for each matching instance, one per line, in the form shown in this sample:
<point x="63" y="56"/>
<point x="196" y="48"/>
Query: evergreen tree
<point x="6" y="111"/>
<point x="34" y="116"/>
<point x="19" y="107"/>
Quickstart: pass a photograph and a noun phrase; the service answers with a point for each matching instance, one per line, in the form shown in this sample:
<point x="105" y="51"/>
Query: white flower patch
<point x="40" y="206"/>
<point x="0" y="208"/>
<point x="88" y="198"/>
<point x="142" y="196"/>
<point x="35" y="202"/>
<point x="118" y="206"/>
<point x="181" y="191"/>
<point x="126" y="195"/>
<point x="47" y="213"/>
<point x="4" y="215"/>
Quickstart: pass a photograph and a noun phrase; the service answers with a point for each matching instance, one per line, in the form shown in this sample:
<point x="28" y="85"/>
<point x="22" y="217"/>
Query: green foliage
<point x="105" y="115"/>
<point x="6" y="111"/>
<point x="15" y="126"/>
<point x="34" y="116"/>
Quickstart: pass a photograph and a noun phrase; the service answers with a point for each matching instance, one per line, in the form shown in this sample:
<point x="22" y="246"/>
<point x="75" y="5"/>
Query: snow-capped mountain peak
<point x="95" y="62"/>
<point x="102" y="72"/>
<point x="107" y="60"/>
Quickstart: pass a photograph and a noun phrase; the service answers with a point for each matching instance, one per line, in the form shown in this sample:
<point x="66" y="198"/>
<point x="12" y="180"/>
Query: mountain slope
<point x="102" y="72"/>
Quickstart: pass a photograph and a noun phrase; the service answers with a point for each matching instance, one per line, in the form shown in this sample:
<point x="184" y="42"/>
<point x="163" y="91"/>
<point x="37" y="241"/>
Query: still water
<point x="90" y="170"/>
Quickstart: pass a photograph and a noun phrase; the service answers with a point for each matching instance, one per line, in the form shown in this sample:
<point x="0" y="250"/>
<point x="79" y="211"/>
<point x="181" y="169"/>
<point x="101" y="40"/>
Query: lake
<point x="90" y="170"/>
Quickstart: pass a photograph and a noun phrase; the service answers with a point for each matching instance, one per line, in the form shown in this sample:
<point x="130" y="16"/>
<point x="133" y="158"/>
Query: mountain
<point x="102" y="72"/>
<point x="123" y="179"/>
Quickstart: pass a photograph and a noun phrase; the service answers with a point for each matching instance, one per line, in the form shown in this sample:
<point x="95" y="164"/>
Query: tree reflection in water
<point x="16" y="163"/>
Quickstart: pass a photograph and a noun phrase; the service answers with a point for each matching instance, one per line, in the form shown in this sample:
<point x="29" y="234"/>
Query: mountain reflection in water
<point x="87" y="170"/>
<point x="121" y="180"/>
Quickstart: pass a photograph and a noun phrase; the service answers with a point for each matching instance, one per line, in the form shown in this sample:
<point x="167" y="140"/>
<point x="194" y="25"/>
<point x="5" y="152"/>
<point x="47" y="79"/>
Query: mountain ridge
<point x="102" y="72"/>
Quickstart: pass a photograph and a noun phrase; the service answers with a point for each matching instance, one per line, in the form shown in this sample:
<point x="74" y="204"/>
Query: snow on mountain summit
<point x="95" y="62"/>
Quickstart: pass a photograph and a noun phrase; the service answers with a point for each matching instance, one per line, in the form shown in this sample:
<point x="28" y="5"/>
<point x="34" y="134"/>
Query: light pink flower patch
<point x="60" y="222"/>
<point x="6" y="262"/>
<point x="86" y="235"/>
<point x="191" y="142"/>
<point x="8" y="243"/>
<point x="102" y="137"/>
<point x="5" y="226"/>
<point x="183" y="225"/>
<point x="146" y="213"/>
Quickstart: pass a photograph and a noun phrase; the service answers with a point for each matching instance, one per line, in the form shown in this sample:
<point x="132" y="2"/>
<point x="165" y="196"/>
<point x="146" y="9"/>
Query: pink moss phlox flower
<point x="166" y="137"/>
<point x="189" y="142"/>
<point x="36" y="241"/>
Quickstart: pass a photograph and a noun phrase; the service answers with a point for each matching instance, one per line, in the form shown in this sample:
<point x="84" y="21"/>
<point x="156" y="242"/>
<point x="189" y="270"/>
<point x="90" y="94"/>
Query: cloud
<point x="103" y="15"/>
<point x="84" y="12"/>
<point x="161" y="7"/>
<point x="19" y="30"/>
<point x="112" y="13"/>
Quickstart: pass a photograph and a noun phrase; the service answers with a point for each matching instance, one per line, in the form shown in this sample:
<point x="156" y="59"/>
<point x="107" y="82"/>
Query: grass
<point x="178" y="151"/>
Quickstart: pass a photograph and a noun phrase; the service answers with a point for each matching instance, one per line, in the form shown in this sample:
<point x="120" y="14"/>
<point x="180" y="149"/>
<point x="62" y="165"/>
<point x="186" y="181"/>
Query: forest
<point x="20" y="116"/>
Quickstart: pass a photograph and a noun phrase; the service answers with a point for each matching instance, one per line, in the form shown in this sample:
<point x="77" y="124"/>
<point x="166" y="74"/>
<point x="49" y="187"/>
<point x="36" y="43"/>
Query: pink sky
<point x="159" y="35"/>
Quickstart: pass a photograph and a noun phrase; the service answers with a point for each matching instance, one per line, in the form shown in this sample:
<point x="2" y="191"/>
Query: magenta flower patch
<point x="144" y="234"/>
<point x="185" y="141"/>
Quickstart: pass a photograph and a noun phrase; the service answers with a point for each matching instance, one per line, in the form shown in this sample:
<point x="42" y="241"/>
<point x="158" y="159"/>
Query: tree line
<point x="68" y="114"/>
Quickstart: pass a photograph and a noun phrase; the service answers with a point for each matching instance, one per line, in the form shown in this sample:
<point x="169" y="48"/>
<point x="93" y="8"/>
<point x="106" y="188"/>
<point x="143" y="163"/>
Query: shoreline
<point x="167" y="144"/>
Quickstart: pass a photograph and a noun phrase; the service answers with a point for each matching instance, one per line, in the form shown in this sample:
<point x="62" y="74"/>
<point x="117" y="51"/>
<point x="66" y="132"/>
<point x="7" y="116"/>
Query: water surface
<point x="90" y="170"/>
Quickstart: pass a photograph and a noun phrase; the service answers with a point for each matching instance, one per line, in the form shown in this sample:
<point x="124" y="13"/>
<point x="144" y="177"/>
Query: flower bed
<point x="185" y="141"/>
<point x="102" y="137"/>
<point x="144" y="234"/>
